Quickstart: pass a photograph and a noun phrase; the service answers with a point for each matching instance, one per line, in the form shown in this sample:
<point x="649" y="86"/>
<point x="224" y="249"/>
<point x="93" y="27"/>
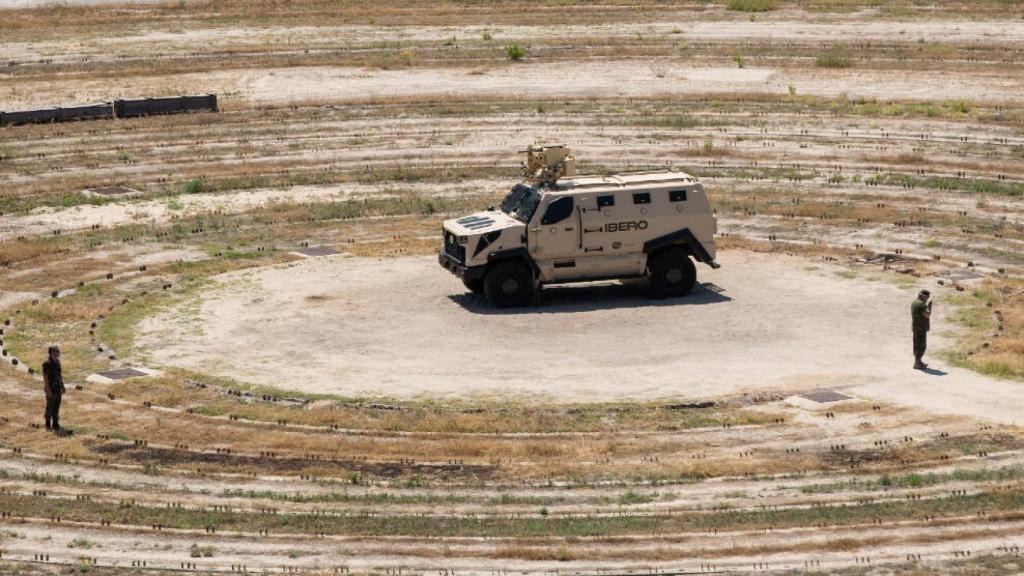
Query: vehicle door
<point x="608" y="251"/>
<point x="555" y="237"/>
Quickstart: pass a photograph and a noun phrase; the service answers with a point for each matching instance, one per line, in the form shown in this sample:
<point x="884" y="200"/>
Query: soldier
<point x="920" y="314"/>
<point x="53" y="386"/>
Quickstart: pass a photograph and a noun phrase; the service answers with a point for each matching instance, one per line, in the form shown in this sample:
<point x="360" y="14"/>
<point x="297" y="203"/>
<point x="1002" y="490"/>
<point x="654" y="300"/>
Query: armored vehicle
<point x="557" y="227"/>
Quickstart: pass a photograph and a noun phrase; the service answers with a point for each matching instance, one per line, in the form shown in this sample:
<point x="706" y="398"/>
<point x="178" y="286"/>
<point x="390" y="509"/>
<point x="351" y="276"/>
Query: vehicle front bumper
<point x="467" y="273"/>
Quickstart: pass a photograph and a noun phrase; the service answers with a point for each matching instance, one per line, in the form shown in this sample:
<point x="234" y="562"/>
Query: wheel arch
<point x="514" y="255"/>
<point x="680" y="239"/>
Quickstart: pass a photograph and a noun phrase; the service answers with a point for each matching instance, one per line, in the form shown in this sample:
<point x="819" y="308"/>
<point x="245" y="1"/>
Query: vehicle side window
<point x="677" y="195"/>
<point x="603" y="201"/>
<point x="557" y="211"/>
<point x="642" y="198"/>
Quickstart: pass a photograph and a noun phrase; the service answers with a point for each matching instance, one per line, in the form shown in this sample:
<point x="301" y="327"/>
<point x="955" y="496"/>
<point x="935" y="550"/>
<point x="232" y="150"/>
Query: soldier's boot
<point x="918" y="365"/>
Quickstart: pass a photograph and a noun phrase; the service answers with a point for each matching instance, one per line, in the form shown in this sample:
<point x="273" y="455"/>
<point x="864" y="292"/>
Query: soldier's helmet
<point x="924" y="293"/>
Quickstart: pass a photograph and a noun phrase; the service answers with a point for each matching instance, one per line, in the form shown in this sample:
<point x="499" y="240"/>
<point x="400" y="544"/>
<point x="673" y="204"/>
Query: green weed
<point x="197" y="551"/>
<point x="194" y="186"/>
<point x="515" y="52"/>
<point x="832" y="60"/>
<point x="750" y="5"/>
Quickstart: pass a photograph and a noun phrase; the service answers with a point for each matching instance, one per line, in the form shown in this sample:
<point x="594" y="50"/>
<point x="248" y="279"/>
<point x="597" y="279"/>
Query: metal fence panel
<point x="87" y="112"/>
<point x="30" y="116"/>
<point x="130" y="108"/>
<point x="205" y="102"/>
<point x="120" y="108"/>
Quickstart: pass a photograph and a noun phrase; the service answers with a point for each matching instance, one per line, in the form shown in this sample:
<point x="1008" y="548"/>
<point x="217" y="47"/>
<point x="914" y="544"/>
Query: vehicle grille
<point x="453" y="248"/>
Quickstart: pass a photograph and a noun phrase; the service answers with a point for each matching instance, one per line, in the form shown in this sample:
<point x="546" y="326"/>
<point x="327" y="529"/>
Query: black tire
<point x="509" y="285"/>
<point x="672" y="274"/>
<point x="476" y="286"/>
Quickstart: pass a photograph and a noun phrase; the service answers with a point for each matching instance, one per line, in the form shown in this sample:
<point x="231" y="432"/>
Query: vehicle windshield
<point x="521" y="202"/>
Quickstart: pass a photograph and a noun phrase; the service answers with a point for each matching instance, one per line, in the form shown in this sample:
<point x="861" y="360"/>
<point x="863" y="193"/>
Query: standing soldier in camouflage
<point x="920" y="314"/>
<point x="53" y="386"/>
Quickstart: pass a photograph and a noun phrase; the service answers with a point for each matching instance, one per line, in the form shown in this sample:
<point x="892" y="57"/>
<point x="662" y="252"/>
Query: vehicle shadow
<point x="589" y="297"/>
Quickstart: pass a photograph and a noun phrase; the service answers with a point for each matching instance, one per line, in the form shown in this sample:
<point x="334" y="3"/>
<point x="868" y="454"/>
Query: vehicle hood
<point x="481" y="223"/>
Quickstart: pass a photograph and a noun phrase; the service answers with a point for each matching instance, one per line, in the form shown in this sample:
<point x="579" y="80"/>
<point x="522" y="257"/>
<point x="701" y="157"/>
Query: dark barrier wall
<point x="90" y="112"/>
<point x="164" y="105"/>
<point x="87" y="112"/>
<point x="119" y="108"/>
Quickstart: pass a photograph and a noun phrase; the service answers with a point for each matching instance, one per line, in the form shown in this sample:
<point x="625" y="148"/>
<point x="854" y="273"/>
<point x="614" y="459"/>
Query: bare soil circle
<point x="403" y="328"/>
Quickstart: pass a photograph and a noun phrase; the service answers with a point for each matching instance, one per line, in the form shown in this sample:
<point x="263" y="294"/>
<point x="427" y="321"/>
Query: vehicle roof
<point x="612" y="182"/>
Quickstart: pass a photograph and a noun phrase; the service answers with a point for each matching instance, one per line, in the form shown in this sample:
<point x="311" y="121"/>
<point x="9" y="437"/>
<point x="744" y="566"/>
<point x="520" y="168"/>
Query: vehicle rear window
<point x="603" y="201"/>
<point x="642" y="198"/>
<point x="677" y="195"/>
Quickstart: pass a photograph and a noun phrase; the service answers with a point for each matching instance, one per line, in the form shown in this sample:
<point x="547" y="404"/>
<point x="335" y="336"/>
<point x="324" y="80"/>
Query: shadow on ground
<point x="590" y="297"/>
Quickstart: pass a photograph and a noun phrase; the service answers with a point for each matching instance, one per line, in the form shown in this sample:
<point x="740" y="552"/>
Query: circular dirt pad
<point x="405" y="327"/>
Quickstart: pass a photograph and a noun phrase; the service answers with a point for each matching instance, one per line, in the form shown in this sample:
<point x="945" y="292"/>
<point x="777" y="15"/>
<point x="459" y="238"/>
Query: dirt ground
<point x="854" y="151"/>
<point x="405" y="328"/>
<point x="607" y="79"/>
<point x="43" y="220"/>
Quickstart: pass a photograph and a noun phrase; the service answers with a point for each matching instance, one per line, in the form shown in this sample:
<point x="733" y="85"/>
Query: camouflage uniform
<point x="54" y="391"/>
<point x="920" y="314"/>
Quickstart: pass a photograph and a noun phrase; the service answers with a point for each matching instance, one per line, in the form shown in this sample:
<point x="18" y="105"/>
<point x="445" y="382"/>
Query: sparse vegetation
<point x="959" y="106"/>
<point x="197" y="551"/>
<point x="194" y="186"/>
<point x="514" y="52"/>
<point x="832" y="60"/>
<point x="750" y="5"/>
<point x="266" y="475"/>
<point x="81" y="543"/>
<point x="992" y="342"/>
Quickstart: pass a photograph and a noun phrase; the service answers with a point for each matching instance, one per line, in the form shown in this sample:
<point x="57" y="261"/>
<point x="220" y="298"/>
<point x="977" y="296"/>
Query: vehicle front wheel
<point x="509" y="285"/>
<point x="672" y="274"/>
<point x="474" y="286"/>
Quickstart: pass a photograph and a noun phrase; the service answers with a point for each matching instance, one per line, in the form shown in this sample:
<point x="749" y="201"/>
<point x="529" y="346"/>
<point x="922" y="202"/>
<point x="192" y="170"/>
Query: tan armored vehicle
<point x="557" y="227"/>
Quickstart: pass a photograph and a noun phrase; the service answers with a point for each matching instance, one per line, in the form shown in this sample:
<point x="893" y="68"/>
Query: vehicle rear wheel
<point x="672" y="274"/>
<point x="508" y="285"/>
<point x="474" y="286"/>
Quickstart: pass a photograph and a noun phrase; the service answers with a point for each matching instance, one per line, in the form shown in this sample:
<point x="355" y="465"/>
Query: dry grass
<point x="531" y="477"/>
<point x="29" y="249"/>
<point x="393" y="12"/>
<point x="993" y="315"/>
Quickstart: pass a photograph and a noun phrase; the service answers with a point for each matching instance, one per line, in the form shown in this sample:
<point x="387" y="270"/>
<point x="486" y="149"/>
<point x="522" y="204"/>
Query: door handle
<point x="579" y="220"/>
